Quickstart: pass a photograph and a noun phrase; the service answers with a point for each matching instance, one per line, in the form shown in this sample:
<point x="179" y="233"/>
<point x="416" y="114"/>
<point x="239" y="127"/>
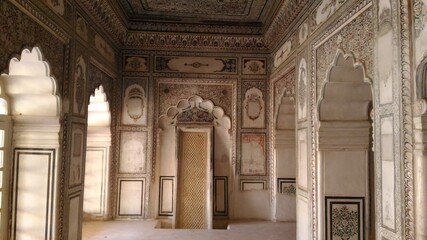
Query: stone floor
<point x="129" y="230"/>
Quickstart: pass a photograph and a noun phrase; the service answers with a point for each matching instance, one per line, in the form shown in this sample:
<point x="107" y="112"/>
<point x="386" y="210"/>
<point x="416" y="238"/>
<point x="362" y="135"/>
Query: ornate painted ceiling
<point x="244" y="25"/>
<point x="214" y="16"/>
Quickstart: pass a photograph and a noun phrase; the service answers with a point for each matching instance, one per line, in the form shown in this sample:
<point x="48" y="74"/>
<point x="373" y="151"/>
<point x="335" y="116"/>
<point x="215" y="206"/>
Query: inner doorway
<point x="195" y="175"/>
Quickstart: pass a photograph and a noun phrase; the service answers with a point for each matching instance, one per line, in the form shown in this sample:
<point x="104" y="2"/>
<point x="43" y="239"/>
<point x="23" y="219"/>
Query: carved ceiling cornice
<point x="288" y="13"/>
<point x="194" y="41"/>
<point x="106" y="17"/>
<point x="191" y="37"/>
<point x="196" y="28"/>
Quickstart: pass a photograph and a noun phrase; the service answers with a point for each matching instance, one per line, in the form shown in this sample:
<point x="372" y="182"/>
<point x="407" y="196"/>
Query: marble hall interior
<point x="213" y="119"/>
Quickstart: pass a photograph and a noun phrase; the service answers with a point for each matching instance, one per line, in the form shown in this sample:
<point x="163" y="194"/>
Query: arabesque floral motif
<point x="345" y="223"/>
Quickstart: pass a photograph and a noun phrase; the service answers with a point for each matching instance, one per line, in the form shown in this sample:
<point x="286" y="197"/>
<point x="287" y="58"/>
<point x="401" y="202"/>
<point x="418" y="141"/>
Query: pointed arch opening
<point x="98" y="144"/>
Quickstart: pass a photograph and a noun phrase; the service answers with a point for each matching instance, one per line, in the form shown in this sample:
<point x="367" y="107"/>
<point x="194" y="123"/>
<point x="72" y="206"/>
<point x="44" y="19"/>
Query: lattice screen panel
<point x="193" y="181"/>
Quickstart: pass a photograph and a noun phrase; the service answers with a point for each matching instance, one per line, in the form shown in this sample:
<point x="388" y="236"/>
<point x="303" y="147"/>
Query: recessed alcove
<point x="345" y="153"/>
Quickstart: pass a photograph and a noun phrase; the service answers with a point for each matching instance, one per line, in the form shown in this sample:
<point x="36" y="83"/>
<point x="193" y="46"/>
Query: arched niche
<point x="285" y="158"/>
<point x="194" y="112"/>
<point x="96" y="194"/>
<point x="344" y="146"/>
<point x="29" y="94"/>
<point x="346" y="94"/>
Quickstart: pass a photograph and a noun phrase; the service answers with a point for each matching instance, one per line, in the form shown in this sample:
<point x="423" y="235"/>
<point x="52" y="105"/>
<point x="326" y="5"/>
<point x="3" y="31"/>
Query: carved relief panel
<point x="133" y="63"/>
<point x="302" y="90"/>
<point x="134" y="110"/>
<point x="254" y="66"/>
<point x="385" y="63"/>
<point x="77" y="154"/>
<point x="253" y="108"/>
<point x="80" y="77"/>
<point x="82" y="28"/>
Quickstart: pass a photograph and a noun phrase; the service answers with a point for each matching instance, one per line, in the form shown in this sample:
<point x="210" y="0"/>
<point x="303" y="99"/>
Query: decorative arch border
<point x="356" y="65"/>
<point x="21" y="89"/>
<point x="184" y="105"/>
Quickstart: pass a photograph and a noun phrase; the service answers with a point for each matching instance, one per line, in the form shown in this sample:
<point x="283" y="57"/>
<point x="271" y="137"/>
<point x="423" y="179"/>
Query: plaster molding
<point x="407" y="131"/>
<point x="194" y="41"/>
<point x="343" y="135"/>
<point x="106" y="17"/>
<point x="40" y="18"/>
<point x="286" y="16"/>
<point x="419" y="107"/>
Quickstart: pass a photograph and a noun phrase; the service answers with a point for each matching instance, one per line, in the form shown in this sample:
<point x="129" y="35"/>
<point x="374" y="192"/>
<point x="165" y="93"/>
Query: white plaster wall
<point x="222" y="152"/>
<point x="73" y="215"/>
<point x="345" y="173"/>
<point x="95" y="180"/>
<point x="167" y="152"/>
<point x="286" y="162"/>
<point x="33" y="187"/>
<point x="303" y="219"/>
<point x="286" y="208"/>
<point x="253" y="204"/>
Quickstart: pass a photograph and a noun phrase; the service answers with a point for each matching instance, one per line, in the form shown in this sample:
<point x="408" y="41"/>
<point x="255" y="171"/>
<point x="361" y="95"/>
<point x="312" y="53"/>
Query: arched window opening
<point x="95" y="202"/>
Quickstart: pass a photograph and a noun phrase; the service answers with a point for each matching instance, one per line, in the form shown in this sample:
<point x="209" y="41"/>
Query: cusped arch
<point x="99" y="109"/>
<point x="194" y="103"/>
<point x="29" y="86"/>
<point x="285" y="113"/>
<point x="346" y="94"/>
